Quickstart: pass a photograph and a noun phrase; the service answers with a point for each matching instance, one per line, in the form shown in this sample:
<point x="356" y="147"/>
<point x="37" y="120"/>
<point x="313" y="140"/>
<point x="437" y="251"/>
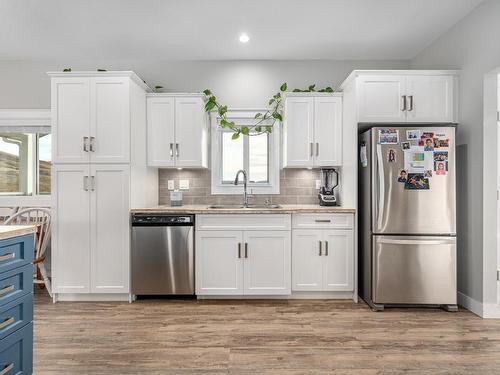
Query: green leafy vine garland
<point x="262" y="125"/>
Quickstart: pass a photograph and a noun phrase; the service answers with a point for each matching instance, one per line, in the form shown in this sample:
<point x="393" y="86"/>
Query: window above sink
<point x="257" y="154"/>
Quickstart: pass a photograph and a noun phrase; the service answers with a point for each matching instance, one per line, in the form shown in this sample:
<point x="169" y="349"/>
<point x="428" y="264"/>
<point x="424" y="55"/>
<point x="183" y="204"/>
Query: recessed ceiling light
<point x="244" y="38"/>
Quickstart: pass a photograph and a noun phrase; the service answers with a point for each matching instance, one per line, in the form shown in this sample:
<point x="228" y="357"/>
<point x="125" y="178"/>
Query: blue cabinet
<point x="16" y="305"/>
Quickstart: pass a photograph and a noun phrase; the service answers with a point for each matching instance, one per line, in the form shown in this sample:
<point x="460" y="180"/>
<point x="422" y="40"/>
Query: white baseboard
<point x="484" y="310"/>
<point x="294" y="295"/>
<point x="89" y="297"/>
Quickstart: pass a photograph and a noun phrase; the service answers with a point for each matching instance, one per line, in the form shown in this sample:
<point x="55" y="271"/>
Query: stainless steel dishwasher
<point x="162" y="254"/>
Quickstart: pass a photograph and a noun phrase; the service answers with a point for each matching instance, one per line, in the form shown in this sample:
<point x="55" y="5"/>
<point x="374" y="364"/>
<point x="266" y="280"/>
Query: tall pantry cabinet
<point x="99" y="173"/>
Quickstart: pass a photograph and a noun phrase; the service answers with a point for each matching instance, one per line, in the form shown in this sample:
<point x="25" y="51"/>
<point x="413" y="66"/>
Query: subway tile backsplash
<point x="297" y="186"/>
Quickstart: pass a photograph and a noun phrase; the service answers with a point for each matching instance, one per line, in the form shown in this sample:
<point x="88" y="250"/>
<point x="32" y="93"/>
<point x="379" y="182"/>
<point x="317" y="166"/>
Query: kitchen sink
<point x="240" y="206"/>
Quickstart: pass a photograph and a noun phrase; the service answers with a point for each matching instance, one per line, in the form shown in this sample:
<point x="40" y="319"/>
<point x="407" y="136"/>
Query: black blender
<point x="327" y="190"/>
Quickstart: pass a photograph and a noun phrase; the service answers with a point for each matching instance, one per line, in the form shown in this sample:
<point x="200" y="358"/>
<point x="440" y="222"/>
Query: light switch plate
<point x="170" y="185"/>
<point x="318" y="184"/>
<point x="184" y="184"/>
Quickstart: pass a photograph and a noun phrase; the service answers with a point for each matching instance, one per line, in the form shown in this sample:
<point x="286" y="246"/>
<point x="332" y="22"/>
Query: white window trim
<point x="243" y="116"/>
<point x="22" y="118"/>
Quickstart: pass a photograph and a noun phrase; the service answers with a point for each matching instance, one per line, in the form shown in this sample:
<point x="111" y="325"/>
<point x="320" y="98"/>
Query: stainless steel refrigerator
<point x="407" y="217"/>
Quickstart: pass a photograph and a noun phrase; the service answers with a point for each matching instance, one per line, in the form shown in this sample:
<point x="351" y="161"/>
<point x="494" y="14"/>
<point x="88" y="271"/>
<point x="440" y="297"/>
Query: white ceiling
<point x="209" y="29"/>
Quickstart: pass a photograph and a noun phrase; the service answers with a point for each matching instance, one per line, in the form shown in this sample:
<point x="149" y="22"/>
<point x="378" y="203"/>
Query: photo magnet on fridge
<point x="428" y="144"/>
<point x="427" y="135"/>
<point x="405" y="145"/>
<point x="417" y="181"/>
<point x="402" y="176"/>
<point x="441" y="168"/>
<point x="413" y="135"/>
<point x="388" y="136"/>
<point x="440" y="155"/>
<point x="391" y="156"/>
<point x="428" y="173"/>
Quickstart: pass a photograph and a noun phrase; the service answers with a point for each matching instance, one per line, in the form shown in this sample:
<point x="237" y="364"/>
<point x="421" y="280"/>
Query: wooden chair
<point x="42" y="219"/>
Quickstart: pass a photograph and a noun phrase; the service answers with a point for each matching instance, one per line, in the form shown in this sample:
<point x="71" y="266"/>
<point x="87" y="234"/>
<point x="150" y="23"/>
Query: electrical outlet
<point x="170" y="185"/>
<point x="318" y="184"/>
<point x="184" y="184"/>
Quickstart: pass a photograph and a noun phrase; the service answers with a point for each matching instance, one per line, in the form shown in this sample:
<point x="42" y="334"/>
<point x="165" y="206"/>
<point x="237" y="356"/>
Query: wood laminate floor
<point x="259" y="337"/>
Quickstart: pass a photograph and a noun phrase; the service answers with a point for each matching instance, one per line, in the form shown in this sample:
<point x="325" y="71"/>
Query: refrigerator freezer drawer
<point x="414" y="270"/>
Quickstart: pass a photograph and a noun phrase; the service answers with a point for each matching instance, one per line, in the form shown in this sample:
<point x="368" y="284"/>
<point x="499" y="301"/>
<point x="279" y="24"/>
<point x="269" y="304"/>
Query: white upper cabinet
<point x="110" y="120"/>
<point x="191" y="134"/>
<point x="161" y="141"/>
<point x="70" y="119"/>
<point x="381" y="99"/>
<point x="177" y="131"/>
<point x="312" y="131"/>
<point x="91" y="119"/>
<point x="328" y="131"/>
<point x="298" y="135"/>
<point x="430" y="98"/>
<point x="405" y="96"/>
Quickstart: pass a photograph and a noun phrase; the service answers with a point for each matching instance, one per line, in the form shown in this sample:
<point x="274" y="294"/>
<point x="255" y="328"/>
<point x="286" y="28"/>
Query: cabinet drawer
<point x="243" y="221"/>
<point x="16" y="352"/>
<point x="341" y="221"/>
<point x="16" y="252"/>
<point x="15" y="315"/>
<point x="16" y="283"/>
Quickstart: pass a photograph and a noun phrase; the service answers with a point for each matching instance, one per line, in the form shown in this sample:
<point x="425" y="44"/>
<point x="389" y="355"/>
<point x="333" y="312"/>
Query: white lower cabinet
<point x="322" y="260"/>
<point x="90" y="241"/>
<point x="242" y="262"/>
<point x="219" y="266"/>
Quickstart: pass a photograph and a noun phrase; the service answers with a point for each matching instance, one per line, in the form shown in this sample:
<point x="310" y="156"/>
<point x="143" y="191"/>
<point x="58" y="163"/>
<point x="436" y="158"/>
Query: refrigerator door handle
<point x="416" y="242"/>
<point x="380" y="186"/>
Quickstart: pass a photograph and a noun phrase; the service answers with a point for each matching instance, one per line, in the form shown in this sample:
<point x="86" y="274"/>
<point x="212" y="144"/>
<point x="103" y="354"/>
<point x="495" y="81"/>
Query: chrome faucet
<point x="245" y="195"/>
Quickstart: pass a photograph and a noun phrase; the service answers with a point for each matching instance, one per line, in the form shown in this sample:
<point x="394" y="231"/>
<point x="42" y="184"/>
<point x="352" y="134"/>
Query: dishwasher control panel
<point x="154" y="219"/>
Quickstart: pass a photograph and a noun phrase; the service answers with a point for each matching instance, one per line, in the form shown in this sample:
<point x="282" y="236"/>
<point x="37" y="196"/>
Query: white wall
<point x="472" y="46"/>
<point x="239" y="84"/>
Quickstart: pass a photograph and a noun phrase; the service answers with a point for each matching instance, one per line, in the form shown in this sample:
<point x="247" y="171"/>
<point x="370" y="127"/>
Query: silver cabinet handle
<point x="92" y="149"/>
<point x="326" y="248"/>
<point x="85" y="144"/>
<point x="92" y="183"/>
<point x="317" y="148"/>
<point x="312" y="146"/>
<point x="404" y="102"/>
<point x="6" y="289"/>
<point x="7" y="322"/>
<point x="177" y="149"/>
<point x="320" y="248"/>
<point x="7" y="368"/>
<point x="171" y="150"/>
<point x="323" y="221"/>
<point x="246" y="250"/>
<point x="239" y="249"/>
<point x="411" y="103"/>
<point x="7" y="256"/>
<point x="86" y="183"/>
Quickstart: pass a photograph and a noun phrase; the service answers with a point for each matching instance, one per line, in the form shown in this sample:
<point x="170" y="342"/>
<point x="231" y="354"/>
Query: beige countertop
<point x="8" y="231"/>
<point x="284" y="209"/>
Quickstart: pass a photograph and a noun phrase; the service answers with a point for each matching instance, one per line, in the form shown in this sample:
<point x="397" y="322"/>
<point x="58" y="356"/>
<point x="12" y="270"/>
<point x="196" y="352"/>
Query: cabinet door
<point x="380" y="99"/>
<point x="190" y="133"/>
<point x="161" y="143"/>
<point x="298" y="137"/>
<point x="327" y="131"/>
<point x="219" y="262"/>
<point x="430" y="99"/>
<point x="338" y="271"/>
<point x="110" y="120"/>
<point x="71" y="228"/>
<point x="70" y="119"/>
<point x="267" y="266"/>
<point x="109" y="231"/>
<point x="307" y="261"/>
